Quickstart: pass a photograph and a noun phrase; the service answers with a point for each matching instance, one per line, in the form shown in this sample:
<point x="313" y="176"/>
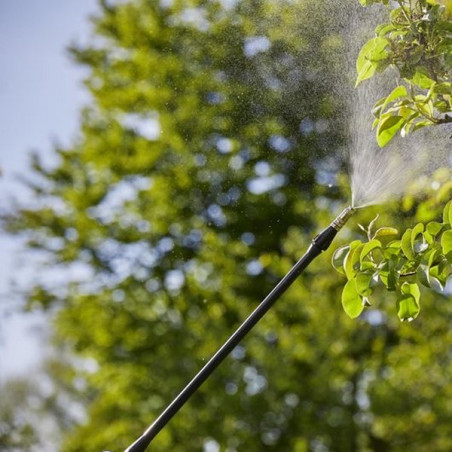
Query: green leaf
<point x="443" y="88"/>
<point x="408" y="306"/>
<point x="393" y="275"/>
<point x="445" y="191"/>
<point x="421" y="124"/>
<point x="409" y="123"/>
<point x="385" y="232"/>
<point x="351" y="300"/>
<point x="436" y="285"/>
<point x="413" y="290"/>
<point x="392" y="249"/>
<point x="423" y="270"/>
<point x="362" y="284"/>
<point x="352" y="259"/>
<point x="431" y="256"/>
<point x="417" y="230"/>
<point x="421" y="79"/>
<point x="383" y="29"/>
<point x="407" y="309"/>
<point x="371" y="53"/>
<point x="371" y="2"/>
<point x="406" y="244"/>
<point x="339" y="257"/>
<point x="382" y="65"/>
<point x="368" y="248"/>
<point x="388" y="128"/>
<point x="442" y="106"/>
<point x="447" y="213"/>
<point x="423" y="274"/>
<point x="388" y="273"/>
<point x="367" y="70"/>
<point x="427" y="109"/>
<point x="396" y="93"/>
<point x="434" y="228"/>
<point x="376" y="48"/>
<point x="377" y="108"/>
<point x="446" y="241"/>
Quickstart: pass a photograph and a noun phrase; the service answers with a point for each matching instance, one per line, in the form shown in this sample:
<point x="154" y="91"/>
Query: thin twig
<point x="402" y="275"/>
<point x="404" y="12"/>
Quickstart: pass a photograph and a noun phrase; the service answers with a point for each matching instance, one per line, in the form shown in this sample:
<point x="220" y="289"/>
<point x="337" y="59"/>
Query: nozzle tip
<point x="342" y="218"/>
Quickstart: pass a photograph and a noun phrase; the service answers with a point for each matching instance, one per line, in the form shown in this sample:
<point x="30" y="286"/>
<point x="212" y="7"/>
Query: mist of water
<point x="379" y="174"/>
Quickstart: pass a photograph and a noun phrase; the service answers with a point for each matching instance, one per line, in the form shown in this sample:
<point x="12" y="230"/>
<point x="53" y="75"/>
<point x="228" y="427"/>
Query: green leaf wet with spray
<point x="388" y="128"/>
<point x="369" y="58"/>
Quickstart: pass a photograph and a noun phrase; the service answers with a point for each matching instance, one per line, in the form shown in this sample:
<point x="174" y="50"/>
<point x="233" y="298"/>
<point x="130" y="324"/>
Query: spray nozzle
<point x="323" y="240"/>
<point x="342" y="218"/>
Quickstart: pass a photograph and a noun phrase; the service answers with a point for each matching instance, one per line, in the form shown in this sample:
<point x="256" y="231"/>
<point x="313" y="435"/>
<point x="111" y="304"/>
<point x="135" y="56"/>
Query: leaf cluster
<point x="422" y="256"/>
<point x="417" y="42"/>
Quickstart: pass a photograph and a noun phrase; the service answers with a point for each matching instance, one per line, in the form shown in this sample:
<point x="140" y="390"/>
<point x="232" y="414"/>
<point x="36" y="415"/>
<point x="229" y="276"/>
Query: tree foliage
<point x="417" y="42"/>
<point x="17" y="431"/>
<point x="32" y="416"/>
<point x="201" y="171"/>
<point x="421" y="256"/>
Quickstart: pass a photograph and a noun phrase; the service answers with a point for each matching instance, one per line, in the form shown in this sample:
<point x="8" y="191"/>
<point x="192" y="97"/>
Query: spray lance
<point x="319" y="244"/>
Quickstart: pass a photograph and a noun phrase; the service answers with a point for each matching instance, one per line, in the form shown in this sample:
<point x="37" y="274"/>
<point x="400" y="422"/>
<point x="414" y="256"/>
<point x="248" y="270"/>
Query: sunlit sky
<point x="40" y="98"/>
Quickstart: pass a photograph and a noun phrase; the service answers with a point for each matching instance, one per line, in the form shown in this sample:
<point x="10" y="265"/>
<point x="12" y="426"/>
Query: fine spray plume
<point x="378" y="175"/>
<point x="406" y="163"/>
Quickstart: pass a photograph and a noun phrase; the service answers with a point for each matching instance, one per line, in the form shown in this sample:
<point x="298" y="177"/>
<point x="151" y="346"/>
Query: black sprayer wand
<point x="319" y="244"/>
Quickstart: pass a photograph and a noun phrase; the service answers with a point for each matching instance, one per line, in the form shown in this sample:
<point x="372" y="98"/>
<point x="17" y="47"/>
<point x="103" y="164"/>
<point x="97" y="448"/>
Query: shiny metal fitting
<point x="342" y="218"/>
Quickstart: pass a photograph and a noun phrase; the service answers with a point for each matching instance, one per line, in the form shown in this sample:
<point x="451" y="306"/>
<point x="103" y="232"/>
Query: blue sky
<point x="41" y="94"/>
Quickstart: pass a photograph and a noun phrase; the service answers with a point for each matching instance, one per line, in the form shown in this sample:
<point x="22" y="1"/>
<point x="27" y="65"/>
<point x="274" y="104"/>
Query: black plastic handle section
<point x="320" y="243"/>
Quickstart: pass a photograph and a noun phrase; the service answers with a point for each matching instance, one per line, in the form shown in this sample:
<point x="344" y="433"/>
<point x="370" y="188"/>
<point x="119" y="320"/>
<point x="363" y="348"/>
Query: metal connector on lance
<point x="342" y="218"/>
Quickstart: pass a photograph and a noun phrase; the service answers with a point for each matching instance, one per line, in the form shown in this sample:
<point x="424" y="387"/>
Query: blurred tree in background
<point x="204" y="165"/>
<point x="34" y="412"/>
<point x="16" y="429"/>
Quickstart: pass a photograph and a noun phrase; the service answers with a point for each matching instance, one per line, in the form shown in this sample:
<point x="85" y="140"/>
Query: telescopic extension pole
<point x="319" y="244"/>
